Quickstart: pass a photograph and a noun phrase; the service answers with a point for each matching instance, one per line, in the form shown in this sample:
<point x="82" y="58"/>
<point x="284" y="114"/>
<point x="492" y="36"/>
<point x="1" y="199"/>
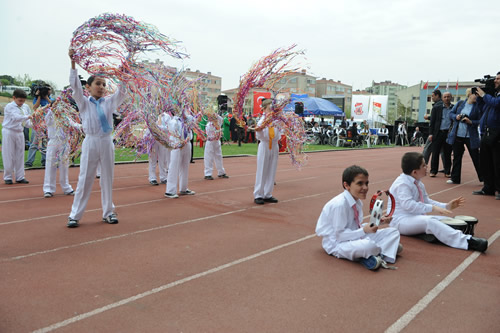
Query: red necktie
<point x="419" y="191"/>
<point x="356" y="214"/>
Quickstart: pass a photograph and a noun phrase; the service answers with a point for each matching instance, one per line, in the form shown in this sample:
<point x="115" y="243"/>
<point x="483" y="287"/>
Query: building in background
<point x="415" y="101"/>
<point x="291" y="83"/>
<point x="390" y="89"/>
<point x="210" y="86"/>
<point x="336" y="92"/>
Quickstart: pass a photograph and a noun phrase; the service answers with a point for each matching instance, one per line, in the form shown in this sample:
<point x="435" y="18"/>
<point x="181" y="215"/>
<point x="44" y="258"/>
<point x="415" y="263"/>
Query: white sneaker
<point x="171" y="195"/>
<point x="48" y="195"/>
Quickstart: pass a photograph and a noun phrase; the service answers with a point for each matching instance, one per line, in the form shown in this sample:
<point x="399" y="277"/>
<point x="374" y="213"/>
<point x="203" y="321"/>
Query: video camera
<point x="488" y="87"/>
<point x="43" y="90"/>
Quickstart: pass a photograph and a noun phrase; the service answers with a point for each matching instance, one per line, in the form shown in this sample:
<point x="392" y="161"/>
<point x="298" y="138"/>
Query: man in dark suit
<point x="438" y="132"/>
<point x="415" y="137"/>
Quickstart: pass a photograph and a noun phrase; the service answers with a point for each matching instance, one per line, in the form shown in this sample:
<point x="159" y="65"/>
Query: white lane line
<point x="166" y="286"/>
<point x="149" y="201"/>
<point x="156" y="228"/>
<point x="149" y="230"/>
<point x="404" y="320"/>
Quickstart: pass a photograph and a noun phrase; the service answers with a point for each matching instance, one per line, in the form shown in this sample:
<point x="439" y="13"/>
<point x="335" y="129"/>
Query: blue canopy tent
<point x="314" y="106"/>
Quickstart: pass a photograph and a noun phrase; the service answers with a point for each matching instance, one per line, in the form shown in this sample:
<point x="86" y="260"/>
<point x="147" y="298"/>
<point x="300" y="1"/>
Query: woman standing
<point x="465" y="116"/>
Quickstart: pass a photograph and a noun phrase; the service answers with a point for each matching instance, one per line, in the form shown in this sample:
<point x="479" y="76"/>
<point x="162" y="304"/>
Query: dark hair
<point x="351" y="172"/>
<point x="19" y="93"/>
<point x="437" y="92"/>
<point x="411" y="161"/>
<point x="90" y="80"/>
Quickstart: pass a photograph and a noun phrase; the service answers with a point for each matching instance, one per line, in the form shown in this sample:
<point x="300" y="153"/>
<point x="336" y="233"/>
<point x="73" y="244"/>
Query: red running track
<point x="216" y="262"/>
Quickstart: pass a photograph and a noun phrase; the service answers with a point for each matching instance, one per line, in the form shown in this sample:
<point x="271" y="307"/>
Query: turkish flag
<point x="258" y="96"/>
<point x="426" y="85"/>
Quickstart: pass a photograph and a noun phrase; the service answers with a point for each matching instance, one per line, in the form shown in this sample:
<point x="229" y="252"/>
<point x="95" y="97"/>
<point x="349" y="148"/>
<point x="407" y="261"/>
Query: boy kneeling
<point x="343" y="234"/>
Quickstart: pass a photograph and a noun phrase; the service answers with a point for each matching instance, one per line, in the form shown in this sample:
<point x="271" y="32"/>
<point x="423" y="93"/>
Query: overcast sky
<point x="353" y="41"/>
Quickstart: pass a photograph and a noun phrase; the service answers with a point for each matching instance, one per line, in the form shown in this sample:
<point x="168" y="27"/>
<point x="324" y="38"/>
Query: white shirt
<point x="401" y="129"/>
<point x="212" y="133"/>
<point x="337" y="224"/>
<point x="383" y="131"/>
<point x="88" y="111"/>
<point x="16" y="117"/>
<point x="54" y="132"/>
<point x="263" y="135"/>
<point x="407" y="198"/>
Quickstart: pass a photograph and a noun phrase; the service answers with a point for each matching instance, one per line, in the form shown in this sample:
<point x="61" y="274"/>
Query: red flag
<point x="456" y="87"/>
<point x="257" y="101"/>
<point x="426" y="85"/>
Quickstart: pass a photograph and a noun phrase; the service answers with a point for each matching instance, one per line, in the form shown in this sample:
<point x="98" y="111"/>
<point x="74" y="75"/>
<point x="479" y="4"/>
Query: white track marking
<point x="404" y="320"/>
<point x="167" y="286"/>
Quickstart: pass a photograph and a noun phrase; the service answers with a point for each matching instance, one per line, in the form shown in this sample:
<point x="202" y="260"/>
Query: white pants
<point x="57" y="157"/>
<point x="384" y="241"/>
<point x="178" y="169"/>
<point x="13" y="154"/>
<point x="431" y="224"/>
<point x="267" y="162"/>
<point x="213" y="153"/>
<point x="96" y="150"/>
<point x="160" y="156"/>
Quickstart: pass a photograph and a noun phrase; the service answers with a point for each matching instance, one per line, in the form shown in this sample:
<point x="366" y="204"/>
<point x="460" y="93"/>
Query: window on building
<point x="294" y="80"/>
<point x="428" y="98"/>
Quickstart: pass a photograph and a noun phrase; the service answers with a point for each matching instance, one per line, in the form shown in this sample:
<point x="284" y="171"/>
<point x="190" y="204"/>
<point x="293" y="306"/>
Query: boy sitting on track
<point x="413" y="204"/>
<point x="343" y="234"/>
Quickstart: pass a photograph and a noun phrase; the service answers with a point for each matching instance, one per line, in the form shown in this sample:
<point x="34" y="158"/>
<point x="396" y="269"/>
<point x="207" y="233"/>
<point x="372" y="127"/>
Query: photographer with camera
<point x="465" y="116"/>
<point x="489" y="104"/>
<point x="42" y="98"/>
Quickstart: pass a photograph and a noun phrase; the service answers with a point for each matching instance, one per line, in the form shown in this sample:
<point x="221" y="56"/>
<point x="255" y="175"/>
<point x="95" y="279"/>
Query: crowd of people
<point x="452" y="127"/>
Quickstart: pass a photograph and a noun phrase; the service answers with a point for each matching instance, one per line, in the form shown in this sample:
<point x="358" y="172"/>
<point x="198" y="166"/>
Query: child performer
<point x="57" y="156"/>
<point x="178" y="168"/>
<point x="413" y="203"/>
<point x="267" y="158"/>
<point x="159" y="155"/>
<point x="344" y="236"/>
<point x="213" y="151"/>
<point x="96" y="113"/>
<point x="16" y="117"/>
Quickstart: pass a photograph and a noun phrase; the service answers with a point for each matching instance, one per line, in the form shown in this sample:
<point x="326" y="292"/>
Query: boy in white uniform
<point x="16" y="117"/>
<point x="344" y="236"/>
<point x="96" y="113"/>
<point x="57" y="157"/>
<point x="178" y="168"/>
<point x="267" y="158"/>
<point x="213" y="151"/>
<point x="160" y="156"/>
<point x="413" y="204"/>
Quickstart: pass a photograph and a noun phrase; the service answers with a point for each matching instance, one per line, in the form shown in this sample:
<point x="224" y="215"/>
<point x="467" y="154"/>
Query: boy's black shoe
<point x="8" y="182"/>
<point x="28" y="165"/>
<point x="223" y="176"/>
<point x="72" y="223"/>
<point x="259" y="201"/>
<point x="271" y="200"/>
<point x="154" y="182"/>
<point x="22" y="181"/>
<point x="111" y="219"/>
<point x="477" y="244"/>
<point x="209" y="177"/>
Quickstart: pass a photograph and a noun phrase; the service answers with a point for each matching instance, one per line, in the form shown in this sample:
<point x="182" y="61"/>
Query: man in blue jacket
<point x="490" y="142"/>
